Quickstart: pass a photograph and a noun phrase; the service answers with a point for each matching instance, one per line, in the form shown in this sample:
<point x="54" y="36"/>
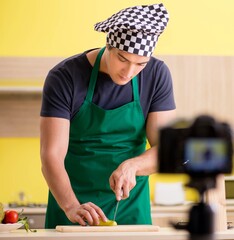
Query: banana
<point x="108" y="223"/>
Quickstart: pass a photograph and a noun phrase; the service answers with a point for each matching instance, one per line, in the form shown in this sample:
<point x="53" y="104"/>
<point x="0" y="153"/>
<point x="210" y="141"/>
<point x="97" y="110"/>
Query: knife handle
<point x="121" y="195"/>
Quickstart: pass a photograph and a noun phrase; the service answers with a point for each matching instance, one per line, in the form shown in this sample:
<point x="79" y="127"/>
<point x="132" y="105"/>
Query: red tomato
<point x="11" y="216"/>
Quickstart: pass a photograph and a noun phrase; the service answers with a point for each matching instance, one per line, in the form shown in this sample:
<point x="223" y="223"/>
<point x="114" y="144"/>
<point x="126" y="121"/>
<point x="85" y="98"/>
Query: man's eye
<point x="142" y="64"/>
<point x="122" y="59"/>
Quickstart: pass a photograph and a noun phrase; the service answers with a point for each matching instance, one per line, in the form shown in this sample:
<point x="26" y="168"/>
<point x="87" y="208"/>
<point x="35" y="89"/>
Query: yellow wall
<point x="65" y="27"/>
<point x="20" y="170"/>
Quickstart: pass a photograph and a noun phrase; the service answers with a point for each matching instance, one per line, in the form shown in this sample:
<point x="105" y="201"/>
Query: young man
<point x="98" y="109"/>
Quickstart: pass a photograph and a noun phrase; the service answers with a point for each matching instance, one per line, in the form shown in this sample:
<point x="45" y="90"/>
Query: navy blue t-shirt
<point x="66" y="86"/>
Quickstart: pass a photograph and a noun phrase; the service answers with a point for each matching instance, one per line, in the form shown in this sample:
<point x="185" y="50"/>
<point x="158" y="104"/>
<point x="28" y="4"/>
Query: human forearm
<point x="54" y="144"/>
<point x="146" y="163"/>
<point x="59" y="184"/>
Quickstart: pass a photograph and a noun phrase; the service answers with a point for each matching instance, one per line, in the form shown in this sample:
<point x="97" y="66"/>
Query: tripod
<point x="201" y="216"/>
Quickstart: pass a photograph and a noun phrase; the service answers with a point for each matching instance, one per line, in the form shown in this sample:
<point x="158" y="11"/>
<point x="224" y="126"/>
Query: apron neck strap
<point x="135" y="89"/>
<point x="94" y="76"/>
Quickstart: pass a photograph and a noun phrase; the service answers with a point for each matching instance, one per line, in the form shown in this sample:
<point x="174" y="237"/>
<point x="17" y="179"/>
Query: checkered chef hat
<point x="135" y="29"/>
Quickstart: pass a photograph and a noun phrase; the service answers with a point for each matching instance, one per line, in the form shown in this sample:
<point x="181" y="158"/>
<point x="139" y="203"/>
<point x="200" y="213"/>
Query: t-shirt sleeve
<point x="163" y="97"/>
<point x="57" y="95"/>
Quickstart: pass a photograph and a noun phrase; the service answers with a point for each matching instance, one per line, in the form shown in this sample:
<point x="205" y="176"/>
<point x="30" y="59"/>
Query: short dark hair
<point x="108" y="46"/>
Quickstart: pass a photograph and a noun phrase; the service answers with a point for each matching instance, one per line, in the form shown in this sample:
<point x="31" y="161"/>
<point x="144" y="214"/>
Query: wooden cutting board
<point x="118" y="228"/>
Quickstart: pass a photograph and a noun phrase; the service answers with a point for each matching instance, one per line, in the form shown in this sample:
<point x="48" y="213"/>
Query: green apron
<point x="99" y="141"/>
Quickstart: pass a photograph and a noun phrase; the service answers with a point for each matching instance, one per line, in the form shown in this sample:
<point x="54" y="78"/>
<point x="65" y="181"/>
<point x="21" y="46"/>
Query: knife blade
<point x="116" y="209"/>
<point x="117" y="206"/>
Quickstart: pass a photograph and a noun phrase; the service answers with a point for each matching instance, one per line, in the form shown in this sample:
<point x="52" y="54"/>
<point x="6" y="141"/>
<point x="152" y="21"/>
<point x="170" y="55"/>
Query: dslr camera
<point x="202" y="148"/>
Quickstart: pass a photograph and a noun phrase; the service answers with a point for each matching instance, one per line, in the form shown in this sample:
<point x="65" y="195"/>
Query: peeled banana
<point x="107" y="223"/>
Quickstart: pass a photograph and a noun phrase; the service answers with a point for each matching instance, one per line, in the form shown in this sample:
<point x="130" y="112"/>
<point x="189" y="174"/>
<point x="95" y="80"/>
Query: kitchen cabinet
<point x="19" y="114"/>
<point x="36" y="221"/>
<point x="162" y="215"/>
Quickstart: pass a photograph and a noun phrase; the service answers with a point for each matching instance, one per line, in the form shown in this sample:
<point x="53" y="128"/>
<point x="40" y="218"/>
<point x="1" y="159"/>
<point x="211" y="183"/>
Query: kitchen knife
<point x="117" y="206"/>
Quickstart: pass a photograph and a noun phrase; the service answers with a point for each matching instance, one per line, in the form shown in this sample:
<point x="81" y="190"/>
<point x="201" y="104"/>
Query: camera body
<point x="202" y="148"/>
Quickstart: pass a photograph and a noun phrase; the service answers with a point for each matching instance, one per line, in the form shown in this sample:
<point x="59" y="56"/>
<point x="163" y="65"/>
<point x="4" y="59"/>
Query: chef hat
<point x="135" y="29"/>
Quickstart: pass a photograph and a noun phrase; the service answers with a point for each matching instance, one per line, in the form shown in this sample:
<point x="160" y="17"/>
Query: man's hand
<point x="86" y="213"/>
<point x="123" y="180"/>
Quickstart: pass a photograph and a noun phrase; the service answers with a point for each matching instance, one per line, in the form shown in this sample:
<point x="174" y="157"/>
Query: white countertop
<point x="52" y="235"/>
<point x="163" y="234"/>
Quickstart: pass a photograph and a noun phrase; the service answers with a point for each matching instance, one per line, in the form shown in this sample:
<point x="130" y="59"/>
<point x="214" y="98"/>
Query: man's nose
<point x="130" y="70"/>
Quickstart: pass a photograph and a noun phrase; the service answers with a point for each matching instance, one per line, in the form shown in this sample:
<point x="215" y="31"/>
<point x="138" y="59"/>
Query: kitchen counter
<point x="161" y="215"/>
<point x="163" y="234"/>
